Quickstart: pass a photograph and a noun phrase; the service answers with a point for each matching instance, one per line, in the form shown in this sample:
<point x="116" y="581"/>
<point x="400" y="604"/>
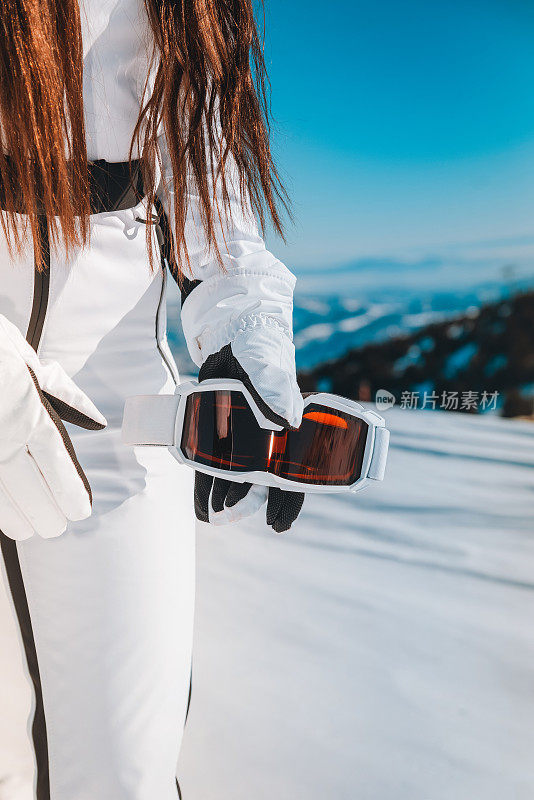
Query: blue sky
<point x="402" y="127"/>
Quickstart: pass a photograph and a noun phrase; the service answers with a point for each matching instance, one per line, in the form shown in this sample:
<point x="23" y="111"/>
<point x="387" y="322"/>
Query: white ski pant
<point x="106" y="610"/>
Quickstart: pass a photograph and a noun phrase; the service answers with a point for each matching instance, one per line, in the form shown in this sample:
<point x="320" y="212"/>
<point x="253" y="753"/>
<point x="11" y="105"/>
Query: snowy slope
<point x="384" y="650"/>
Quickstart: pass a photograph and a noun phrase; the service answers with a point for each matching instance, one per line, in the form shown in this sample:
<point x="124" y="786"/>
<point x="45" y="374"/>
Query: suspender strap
<point x="113" y="186"/>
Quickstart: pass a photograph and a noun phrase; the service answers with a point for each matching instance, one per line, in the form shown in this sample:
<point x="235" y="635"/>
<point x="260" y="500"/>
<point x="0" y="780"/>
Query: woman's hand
<point x="274" y="387"/>
<point x="42" y="484"/>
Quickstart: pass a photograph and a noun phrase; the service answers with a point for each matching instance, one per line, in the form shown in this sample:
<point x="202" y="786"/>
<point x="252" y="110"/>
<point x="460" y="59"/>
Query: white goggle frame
<point x="157" y="420"/>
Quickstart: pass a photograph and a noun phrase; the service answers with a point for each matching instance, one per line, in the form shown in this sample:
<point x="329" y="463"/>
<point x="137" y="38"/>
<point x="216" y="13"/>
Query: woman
<point x="106" y="608"/>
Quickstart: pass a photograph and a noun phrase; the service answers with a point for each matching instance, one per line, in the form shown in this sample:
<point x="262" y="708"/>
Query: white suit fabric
<point x="111" y="600"/>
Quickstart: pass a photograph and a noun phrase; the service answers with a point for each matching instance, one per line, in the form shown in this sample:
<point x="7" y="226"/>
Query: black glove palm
<point x="283" y="507"/>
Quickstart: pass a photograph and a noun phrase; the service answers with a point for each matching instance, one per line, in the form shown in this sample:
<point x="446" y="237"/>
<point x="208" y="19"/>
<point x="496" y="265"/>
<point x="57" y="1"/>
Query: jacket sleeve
<point x="248" y="299"/>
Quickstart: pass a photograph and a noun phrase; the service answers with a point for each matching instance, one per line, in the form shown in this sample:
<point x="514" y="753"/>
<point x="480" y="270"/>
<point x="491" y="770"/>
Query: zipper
<point x="163" y="354"/>
<point x="163" y="243"/>
<point x="41" y="288"/>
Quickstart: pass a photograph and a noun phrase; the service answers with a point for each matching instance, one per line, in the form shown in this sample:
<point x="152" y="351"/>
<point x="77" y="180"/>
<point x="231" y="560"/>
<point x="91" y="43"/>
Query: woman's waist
<point x="90" y="291"/>
<point x="109" y="379"/>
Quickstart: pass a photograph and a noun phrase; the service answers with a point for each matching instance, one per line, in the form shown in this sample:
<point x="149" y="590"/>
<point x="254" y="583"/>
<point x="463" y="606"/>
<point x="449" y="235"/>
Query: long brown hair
<point x="40" y="66"/>
<point x="209" y="100"/>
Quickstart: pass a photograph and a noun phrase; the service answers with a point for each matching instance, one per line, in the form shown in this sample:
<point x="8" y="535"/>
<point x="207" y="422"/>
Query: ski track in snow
<point x="383" y="650"/>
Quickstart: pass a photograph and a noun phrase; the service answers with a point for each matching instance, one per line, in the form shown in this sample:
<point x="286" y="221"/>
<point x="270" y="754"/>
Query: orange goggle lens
<point x="220" y="430"/>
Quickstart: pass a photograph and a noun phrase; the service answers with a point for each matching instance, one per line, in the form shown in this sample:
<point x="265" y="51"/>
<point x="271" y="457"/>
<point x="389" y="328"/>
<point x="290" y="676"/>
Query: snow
<point x="382" y="650"/>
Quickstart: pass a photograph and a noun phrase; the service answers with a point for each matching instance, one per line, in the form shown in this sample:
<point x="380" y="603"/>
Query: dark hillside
<point x="489" y="350"/>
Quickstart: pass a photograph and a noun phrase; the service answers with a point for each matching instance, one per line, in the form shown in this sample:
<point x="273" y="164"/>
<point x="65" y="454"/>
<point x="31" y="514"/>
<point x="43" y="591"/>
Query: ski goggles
<point x="217" y="428"/>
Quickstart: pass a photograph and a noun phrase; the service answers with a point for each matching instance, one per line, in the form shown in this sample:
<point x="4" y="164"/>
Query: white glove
<point x="250" y="308"/>
<point x="42" y="485"/>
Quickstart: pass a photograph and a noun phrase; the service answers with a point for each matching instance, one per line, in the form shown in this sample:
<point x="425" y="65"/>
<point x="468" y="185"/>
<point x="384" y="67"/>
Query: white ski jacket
<point x="250" y="303"/>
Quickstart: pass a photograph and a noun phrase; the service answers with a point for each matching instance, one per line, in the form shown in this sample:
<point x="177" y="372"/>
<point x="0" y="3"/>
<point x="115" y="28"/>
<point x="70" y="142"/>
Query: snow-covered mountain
<point x="374" y="299"/>
<point x="459" y="362"/>
<point x="328" y="326"/>
<point x="369" y="300"/>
